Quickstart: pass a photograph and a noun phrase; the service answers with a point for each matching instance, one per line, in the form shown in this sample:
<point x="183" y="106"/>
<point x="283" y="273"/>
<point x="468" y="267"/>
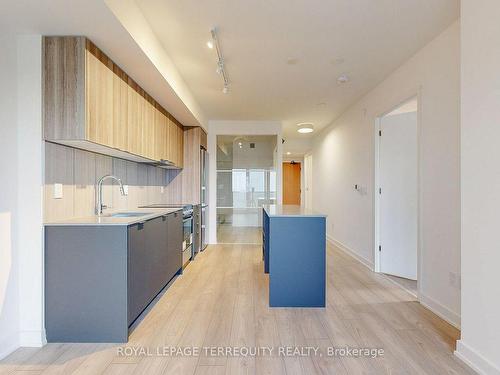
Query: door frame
<point x="376" y="196"/>
<point x="307" y="168"/>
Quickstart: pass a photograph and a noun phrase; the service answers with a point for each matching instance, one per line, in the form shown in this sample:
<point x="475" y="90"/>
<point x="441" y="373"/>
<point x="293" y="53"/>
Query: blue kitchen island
<point x="294" y="252"/>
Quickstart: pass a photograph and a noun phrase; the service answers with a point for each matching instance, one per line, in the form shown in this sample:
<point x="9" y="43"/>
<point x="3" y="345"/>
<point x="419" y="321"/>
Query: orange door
<point x="291" y="183"/>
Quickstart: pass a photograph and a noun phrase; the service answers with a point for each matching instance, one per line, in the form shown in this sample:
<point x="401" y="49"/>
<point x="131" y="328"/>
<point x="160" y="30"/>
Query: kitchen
<point x="120" y="170"/>
<point x="147" y="148"/>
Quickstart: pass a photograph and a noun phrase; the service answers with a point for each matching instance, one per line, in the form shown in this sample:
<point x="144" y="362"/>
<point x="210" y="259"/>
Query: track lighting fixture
<point x="220" y="60"/>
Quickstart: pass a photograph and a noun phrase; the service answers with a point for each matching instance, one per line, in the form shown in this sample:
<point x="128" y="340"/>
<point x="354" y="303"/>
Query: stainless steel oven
<point x="187" y="242"/>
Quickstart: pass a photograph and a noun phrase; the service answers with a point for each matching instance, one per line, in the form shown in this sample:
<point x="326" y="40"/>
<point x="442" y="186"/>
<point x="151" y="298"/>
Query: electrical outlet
<point x="162" y="189"/>
<point x="58" y="191"/>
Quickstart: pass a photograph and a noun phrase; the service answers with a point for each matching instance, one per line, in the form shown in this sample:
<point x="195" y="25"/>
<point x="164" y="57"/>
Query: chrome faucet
<point x="100" y="206"/>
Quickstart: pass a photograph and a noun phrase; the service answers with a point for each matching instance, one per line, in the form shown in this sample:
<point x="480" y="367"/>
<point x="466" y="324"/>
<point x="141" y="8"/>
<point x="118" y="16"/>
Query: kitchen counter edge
<point x="106" y="220"/>
<point x="276" y="210"/>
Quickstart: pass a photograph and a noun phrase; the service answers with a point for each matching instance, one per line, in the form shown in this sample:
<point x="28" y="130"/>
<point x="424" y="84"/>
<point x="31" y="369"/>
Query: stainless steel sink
<point x="129" y="214"/>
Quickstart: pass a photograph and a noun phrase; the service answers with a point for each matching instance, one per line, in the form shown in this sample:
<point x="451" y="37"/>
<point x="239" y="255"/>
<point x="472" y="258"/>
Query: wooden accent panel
<point x="291" y="183"/>
<point x="63" y="87"/>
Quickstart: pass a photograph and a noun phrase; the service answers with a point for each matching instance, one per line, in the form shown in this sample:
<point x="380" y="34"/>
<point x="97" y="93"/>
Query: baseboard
<point x="442" y="311"/>
<point x="353" y="254"/>
<point x="8" y="345"/>
<point x="32" y="339"/>
<point x="475" y="360"/>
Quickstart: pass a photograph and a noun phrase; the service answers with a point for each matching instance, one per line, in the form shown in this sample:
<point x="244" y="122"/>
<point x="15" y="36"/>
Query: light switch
<point x="58" y="191"/>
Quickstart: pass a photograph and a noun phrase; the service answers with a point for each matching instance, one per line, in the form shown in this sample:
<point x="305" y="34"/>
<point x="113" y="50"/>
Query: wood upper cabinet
<point x="90" y="103"/>
<point x="134" y="121"/>
<point x="99" y="98"/>
<point x="175" y="143"/>
<point x="120" y="110"/>
<point x="195" y="139"/>
<point x="161" y="136"/>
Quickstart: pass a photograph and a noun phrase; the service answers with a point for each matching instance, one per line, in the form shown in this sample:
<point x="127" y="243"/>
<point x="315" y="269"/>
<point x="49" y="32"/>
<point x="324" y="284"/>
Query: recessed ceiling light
<point x="288" y="153"/>
<point x="305" y="127"/>
<point x="343" y="78"/>
<point x="210" y="44"/>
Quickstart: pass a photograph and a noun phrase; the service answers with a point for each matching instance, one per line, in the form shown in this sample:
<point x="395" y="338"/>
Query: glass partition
<point x="246" y="179"/>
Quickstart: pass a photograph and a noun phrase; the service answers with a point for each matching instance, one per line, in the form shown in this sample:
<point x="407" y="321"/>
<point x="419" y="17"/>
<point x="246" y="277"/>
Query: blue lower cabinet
<point x="295" y="257"/>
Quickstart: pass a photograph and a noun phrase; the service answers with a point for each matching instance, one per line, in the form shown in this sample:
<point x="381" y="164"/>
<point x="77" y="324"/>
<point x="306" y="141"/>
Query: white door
<point x="398" y="195"/>
<point x="308" y="180"/>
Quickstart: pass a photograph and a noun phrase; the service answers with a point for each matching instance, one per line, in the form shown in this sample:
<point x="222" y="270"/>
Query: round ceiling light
<point x="305" y="127"/>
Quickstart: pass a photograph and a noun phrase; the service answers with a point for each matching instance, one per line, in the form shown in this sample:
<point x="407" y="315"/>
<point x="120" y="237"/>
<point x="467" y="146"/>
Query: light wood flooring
<point x="228" y="234"/>
<point x="222" y="300"/>
<point x="409" y="285"/>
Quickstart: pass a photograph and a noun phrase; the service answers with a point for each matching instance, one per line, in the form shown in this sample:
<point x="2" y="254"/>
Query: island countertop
<point x="274" y="210"/>
<point x="107" y="219"/>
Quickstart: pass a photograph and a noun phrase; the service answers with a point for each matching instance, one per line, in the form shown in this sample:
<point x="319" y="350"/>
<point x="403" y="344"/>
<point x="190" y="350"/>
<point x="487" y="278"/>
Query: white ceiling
<point x="366" y="39"/>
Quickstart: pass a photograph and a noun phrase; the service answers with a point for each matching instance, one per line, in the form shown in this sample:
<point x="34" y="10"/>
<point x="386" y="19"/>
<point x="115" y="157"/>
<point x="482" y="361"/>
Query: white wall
<point x="30" y="188"/>
<point x="343" y="155"/>
<point x="21" y="161"/>
<point x="236" y="128"/>
<point x="9" y="257"/>
<point x="480" y="175"/>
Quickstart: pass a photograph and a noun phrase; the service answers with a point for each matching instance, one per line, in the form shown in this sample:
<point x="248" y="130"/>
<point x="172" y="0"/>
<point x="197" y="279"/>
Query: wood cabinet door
<point x="148" y="146"/>
<point x="164" y="136"/>
<point x="99" y="100"/>
<point x="134" y="121"/>
<point x="172" y="140"/>
<point x="158" y="140"/>
<point x="120" y="112"/>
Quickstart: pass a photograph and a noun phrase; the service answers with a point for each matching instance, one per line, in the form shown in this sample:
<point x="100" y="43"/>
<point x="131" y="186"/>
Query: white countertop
<point x="290" y="210"/>
<point x="149" y="213"/>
